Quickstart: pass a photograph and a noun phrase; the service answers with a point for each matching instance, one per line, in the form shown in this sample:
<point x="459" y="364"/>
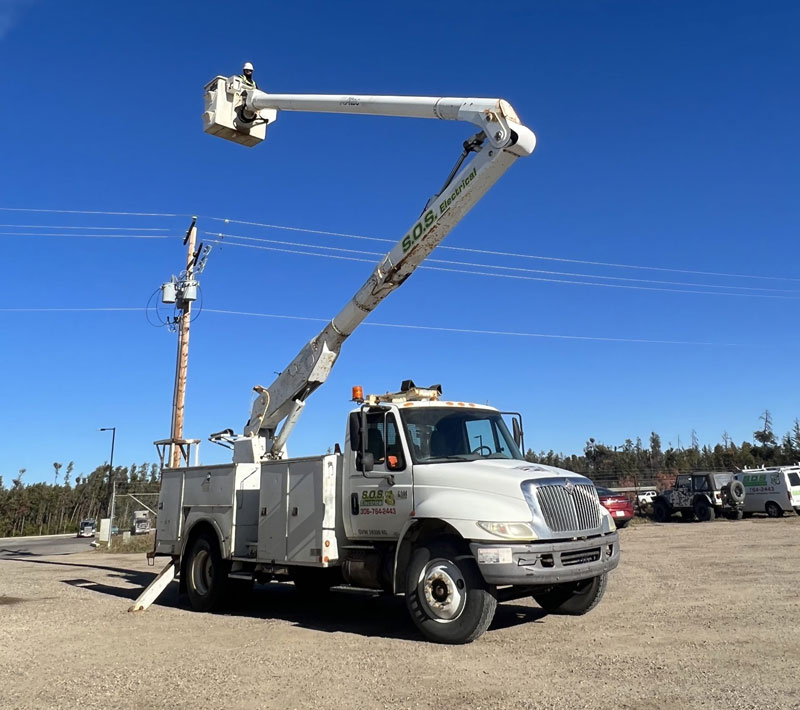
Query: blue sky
<point x="666" y="139"/>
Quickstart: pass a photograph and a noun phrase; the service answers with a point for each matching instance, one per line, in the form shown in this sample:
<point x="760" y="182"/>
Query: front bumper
<point x="542" y="563"/>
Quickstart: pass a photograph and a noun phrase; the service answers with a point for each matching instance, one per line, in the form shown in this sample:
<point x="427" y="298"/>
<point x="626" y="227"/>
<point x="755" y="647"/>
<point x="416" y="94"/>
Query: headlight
<point x="510" y="531"/>
<point x="610" y="518"/>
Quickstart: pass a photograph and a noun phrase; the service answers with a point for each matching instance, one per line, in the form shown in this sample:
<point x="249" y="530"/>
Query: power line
<point x="505" y="253"/>
<point x="129" y="214"/>
<point x="473" y="331"/>
<point x="494" y="266"/>
<point x="407" y="326"/>
<point x="491" y="252"/>
<point x="518" y="276"/>
<point x="86" y="236"/>
<point x="68" y="226"/>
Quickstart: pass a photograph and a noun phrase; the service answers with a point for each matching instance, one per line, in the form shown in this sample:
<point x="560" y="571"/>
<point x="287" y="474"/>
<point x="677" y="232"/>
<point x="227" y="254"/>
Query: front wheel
<point x="573" y="598"/>
<point x="446" y="596"/>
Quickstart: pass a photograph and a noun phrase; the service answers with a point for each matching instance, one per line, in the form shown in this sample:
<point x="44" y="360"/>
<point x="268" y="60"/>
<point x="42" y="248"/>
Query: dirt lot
<point x="697" y="615"/>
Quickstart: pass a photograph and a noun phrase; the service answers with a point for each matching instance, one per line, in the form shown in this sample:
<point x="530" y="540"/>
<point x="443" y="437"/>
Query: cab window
<point x="383" y="441"/>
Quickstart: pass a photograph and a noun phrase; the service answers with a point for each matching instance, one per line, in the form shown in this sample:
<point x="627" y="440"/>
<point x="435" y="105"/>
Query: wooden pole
<point x="182" y="365"/>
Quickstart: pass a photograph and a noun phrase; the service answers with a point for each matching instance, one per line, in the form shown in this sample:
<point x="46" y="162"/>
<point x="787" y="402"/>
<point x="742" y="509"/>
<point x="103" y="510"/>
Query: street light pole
<point x="112" y="478"/>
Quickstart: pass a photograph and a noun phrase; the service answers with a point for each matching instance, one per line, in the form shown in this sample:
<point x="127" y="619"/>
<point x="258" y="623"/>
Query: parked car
<point x="617" y="504"/>
<point x="701" y="495"/>
<point x="773" y="490"/>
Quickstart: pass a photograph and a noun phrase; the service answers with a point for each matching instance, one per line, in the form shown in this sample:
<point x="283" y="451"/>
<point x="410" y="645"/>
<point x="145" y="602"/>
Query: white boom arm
<point x="500" y="141"/>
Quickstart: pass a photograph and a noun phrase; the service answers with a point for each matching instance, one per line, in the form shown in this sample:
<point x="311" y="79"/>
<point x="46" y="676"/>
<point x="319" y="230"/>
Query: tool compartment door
<point x="305" y="512"/>
<point x="170" y="503"/>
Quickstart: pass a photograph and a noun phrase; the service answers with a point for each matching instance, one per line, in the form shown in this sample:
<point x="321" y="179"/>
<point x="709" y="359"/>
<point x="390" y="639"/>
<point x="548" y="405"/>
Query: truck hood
<point x="466" y="492"/>
<point x="489" y="476"/>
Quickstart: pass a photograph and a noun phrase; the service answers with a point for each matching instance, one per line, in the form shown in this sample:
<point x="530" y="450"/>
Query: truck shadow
<point x="361" y="612"/>
<point x="353" y="611"/>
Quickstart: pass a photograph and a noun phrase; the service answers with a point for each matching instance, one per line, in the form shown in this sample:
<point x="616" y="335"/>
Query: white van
<point x="772" y="490"/>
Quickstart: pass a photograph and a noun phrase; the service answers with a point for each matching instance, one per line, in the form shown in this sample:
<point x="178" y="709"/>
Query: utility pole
<point x="182" y="291"/>
<point x="182" y="364"/>
<point x="112" y="478"/>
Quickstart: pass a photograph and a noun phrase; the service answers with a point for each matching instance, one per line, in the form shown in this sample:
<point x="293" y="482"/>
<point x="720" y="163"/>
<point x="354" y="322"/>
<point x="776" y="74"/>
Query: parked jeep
<point x="702" y="496"/>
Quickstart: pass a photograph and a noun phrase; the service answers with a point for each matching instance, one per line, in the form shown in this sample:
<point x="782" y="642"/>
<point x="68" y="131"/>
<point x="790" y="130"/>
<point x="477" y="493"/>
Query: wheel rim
<point x="442" y="590"/>
<point x="202" y="572"/>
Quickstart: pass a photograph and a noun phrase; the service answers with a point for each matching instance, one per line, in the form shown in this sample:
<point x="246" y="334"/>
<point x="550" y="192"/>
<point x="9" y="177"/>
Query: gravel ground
<point x="697" y="615"/>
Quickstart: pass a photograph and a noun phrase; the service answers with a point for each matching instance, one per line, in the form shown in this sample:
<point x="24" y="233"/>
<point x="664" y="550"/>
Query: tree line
<point x="58" y="507"/>
<point x="634" y="463"/>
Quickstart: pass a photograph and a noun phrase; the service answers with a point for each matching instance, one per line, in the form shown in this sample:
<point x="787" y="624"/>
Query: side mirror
<point x="365" y="461"/>
<point x="516" y="428"/>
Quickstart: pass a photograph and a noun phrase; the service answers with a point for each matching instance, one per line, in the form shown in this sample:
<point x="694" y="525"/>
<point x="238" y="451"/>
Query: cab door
<point x="381" y="499"/>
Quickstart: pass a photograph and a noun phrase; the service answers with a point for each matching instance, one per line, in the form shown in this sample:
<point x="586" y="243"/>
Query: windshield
<point x="437" y="434"/>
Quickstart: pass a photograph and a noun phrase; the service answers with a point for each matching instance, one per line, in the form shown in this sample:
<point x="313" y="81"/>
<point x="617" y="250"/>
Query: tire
<point x="704" y="511"/>
<point x="446" y="596"/>
<point x="735" y="491"/>
<point x="206" y="574"/>
<point x="735" y="514"/>
<point x="661" y="511"/>
<point x="573" y="598"/>
<point x="773" y="510"/>
<point x="622" y="524"/>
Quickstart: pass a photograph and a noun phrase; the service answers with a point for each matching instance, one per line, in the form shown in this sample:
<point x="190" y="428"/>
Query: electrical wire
<point x="494" y="266"/>
<point x="68" y="226"/>
<point x="473" y="331"/>
<point x="507" y="254"/>
<point x="127" y="214"/>
<point x="88" y="236"/>
<point x="407" y="326"/>
<point x="518" y="276"/>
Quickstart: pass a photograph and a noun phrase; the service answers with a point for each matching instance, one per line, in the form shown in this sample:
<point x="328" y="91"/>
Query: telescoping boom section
<point x="243" y="116"/>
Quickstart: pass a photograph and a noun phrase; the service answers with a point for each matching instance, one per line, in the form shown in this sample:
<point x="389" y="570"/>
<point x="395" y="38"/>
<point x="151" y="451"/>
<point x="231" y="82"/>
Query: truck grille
<point x="569" y="508"/>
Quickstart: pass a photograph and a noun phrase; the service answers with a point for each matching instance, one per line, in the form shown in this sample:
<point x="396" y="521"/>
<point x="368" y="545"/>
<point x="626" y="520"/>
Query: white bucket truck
<point x="431" y="499"/>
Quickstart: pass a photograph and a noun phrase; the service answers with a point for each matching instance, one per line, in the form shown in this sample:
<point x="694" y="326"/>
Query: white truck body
<point x="770" y="489"/>
<point x="273" y="515"/>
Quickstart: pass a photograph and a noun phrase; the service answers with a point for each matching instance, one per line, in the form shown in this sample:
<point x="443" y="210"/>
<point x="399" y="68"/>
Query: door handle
<point x="354" y="503"/>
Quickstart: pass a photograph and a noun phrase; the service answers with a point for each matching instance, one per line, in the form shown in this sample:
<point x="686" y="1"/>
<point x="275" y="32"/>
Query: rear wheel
<point x="661" y="511"/>
<point x="446" y="596"/>
<point x="773" y="510"/>
<point x="206" y="574"/>
<point x="573" y="598"/>
<point x="704" y="511"/>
